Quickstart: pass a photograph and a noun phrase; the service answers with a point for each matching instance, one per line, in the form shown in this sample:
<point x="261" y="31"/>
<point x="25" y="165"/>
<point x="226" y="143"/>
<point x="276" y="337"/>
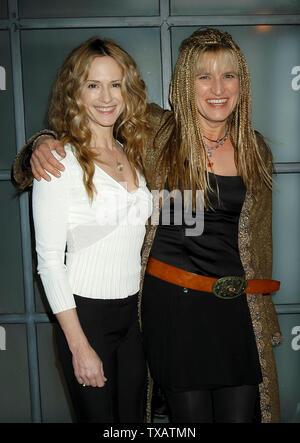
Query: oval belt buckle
<point x="229" y="287"/>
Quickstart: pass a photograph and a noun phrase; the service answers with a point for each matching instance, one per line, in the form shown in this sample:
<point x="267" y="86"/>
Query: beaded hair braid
<point x="184" y="154"/>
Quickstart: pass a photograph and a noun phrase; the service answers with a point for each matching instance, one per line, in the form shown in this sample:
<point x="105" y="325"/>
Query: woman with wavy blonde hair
<point x="98" y="210"/>
<point x="130" y="126"/>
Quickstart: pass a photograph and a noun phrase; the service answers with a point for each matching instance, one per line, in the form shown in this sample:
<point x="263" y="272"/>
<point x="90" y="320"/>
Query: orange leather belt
<point x="224" y="287"/>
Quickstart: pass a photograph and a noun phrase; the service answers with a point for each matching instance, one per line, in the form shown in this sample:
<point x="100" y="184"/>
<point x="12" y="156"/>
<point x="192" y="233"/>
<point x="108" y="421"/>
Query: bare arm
<point x="88" y="367"/>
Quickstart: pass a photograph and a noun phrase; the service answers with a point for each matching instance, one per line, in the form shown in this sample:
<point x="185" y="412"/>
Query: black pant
<point x="111" y="327"/>
<point x="232" y="404"/>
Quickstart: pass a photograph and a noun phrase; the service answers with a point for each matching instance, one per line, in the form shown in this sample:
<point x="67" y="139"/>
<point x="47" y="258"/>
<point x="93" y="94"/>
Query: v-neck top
<point x="102" y="238"/>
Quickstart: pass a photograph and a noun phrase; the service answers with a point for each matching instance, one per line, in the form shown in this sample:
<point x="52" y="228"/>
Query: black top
<point x="192" y="338"/>
<point x="215" y="252"/>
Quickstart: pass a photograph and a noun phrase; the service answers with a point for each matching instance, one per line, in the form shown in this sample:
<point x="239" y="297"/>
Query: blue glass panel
<point x="54" y="397"/>
<point x="272" y="53"/>
<point x="3" y="9"/>
<point x="14" y="384"/>
<point x="287" y="357"/>
<point x="88" y="8"/>
<point x="7" y="143"/>
<point x="234" y="7"/>
<point x="41" y="302"/>
<point x="43" y="52"/>
<point x="11" y="274"/>
<point x="286" y="237"/>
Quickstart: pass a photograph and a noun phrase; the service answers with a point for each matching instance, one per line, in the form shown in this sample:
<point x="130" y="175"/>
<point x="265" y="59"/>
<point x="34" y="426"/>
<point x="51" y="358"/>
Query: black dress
<point x="193" y="339"/>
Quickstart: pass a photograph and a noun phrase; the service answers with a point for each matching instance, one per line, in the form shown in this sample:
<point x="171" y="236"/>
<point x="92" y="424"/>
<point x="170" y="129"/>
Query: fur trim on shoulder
<point x="21" y="168"/>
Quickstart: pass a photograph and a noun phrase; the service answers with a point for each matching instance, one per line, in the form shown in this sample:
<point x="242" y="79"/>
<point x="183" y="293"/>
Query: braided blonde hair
<point x="184" y="159"/>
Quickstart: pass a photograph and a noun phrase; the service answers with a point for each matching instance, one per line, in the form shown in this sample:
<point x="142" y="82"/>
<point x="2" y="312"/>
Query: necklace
<point x="220" y="142"/>
<point x="120" y="165"/>
<point x="218" y="139"/>
<point x="118" y="145"/>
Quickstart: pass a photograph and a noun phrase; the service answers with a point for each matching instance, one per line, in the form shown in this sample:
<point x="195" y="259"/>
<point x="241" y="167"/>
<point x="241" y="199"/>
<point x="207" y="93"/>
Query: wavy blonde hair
<point x="184" y="159"/>
<point x="67" y="115"/>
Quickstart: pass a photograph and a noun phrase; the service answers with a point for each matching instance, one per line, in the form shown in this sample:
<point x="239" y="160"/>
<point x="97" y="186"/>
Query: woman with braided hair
<point x="208" y="322"/>
<point x="201" y="346"/>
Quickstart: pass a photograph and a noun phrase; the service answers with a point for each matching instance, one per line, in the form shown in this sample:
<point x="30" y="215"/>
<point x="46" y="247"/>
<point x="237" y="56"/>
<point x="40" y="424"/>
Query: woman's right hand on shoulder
<point x="43" y="161"/>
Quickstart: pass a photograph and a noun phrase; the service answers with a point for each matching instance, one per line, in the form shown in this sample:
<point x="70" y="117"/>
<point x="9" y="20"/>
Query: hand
<point x="88" y="367"/>
<point x="43" y="160"/>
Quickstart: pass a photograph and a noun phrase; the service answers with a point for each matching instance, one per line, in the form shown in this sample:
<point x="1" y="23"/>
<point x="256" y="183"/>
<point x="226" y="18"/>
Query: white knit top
<point x="103" y="238"/>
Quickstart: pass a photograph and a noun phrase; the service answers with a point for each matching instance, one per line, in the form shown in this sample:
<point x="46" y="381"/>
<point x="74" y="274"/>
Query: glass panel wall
<point x="14" y="381"/>
<point x="11" y="270"/>
<point x="89" y="8"/>
<point x="234" y="7"/>
<point x="286" y="237"/>
<point x="56" y="405"/>
<point x="3" y="9"/>
<point x="7" y="124"/>
<point x="287" y="357"/>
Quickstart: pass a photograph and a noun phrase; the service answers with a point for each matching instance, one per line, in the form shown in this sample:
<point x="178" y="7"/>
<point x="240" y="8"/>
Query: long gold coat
<point x="255" y="248"/>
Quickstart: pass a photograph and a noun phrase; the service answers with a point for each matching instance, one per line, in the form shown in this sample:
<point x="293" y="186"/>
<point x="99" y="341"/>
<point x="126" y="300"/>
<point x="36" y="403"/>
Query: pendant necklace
<point x="220" y="142"/>
<point x="120" y="165"/>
